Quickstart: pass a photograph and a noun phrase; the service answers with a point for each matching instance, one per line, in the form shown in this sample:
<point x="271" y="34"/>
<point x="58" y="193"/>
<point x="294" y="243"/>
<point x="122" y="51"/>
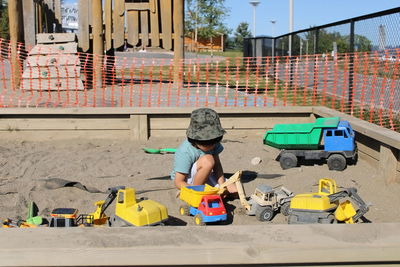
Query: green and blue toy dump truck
<point x="329" y="139"/>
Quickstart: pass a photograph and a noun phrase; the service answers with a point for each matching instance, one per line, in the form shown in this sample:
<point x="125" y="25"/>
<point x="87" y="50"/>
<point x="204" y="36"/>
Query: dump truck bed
<point x="192" y="194"/>
<point x="299" y="136"/>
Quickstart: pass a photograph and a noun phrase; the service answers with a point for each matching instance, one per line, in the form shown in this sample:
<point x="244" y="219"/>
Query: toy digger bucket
<point x="345" y="212"/>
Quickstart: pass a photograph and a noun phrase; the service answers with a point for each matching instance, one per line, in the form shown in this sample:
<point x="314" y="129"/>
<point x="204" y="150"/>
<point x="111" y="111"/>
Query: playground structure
<point x="141" y="24"/>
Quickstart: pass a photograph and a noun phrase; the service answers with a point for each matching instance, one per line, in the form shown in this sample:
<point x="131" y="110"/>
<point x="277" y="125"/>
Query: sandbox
<point x="35" y="159"/>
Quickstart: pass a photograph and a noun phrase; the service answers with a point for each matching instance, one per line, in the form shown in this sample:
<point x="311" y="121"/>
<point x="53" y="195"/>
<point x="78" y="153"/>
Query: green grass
<point x="231" y="54"/>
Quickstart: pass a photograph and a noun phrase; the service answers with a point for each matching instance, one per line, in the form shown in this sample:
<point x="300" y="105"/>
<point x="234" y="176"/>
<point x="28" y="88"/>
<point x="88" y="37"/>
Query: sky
<point x="306" y="13"/>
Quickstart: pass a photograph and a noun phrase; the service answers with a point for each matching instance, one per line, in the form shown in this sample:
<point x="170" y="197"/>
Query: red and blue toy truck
<point x="203" y="202"/>
<point x="329" y="139"/>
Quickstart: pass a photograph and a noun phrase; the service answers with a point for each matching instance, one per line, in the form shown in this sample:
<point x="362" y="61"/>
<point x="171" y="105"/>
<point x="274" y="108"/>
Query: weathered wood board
<point x="41" y="49"/>
<point x="53" y="84"/>
<point x="50" y="38"/>
<point x="53" y="60"/>
<point x="84" y="22"/>
<point x="52" y="72"/>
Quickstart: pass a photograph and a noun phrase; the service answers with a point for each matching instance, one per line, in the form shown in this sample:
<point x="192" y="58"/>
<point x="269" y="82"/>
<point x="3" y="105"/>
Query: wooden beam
<point x="368" y="244"/>
<point x="137" y="6"/>
<point x="388" y="159"/>
<point x="166" y="21"/>
<point x="119" y="23"/>
<point x="144" y="23"/>
<point x="98" y="38"/>
<point x="154" y="27"/>
<point x="108" y="23"/>
<point x="179" y="26"/>
<point x="16" y="30"/>
<point x="84" y="40"/>
<point x="29" y="23"/>
<point x="133" y="28"/>
<point x="139" y="127"/>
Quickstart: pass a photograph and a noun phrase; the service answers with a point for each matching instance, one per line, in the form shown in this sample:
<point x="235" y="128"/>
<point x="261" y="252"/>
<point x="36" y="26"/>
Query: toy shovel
<point x="159" y="151"/>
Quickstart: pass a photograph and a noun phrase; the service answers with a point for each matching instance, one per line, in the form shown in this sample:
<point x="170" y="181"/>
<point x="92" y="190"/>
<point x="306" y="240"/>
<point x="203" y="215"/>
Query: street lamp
<point x="290" y="26"/>
<point x="254" y="4"/>
<point x="273" y="27"/>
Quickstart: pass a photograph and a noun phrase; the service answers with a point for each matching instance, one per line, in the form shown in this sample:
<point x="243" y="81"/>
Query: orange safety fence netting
<point x="363" y="84"/>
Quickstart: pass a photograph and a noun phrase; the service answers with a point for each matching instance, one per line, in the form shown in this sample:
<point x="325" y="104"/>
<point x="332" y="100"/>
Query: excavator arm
<point x="112" y="194"/>
<point x="353" y="195"/>
<point x="235" y="179"/>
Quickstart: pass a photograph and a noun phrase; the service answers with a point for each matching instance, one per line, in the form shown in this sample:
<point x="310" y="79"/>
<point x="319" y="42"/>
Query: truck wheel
<point x="184" y="210"/>
<point x="336" y="162"/>
<point x="264" y="213"/>
<point x="288" y="160"/>
<point x="198" y="219"/>
<point x="285" y="208"/>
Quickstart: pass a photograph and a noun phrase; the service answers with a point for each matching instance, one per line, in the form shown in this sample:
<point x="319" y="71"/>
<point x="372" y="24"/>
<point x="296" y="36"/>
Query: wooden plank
<point x="284" y="112"/>
<point x="57" y="13"/>
<point x="144" y="23"/>
<point x="133" y="27"/>
<point x="83" y="33"/>
<point x="46" y="135"/>
<point x="41" y="49"/>
<point x="29" y="23"/>
<point x="52" y="72"/>
<point x="166" y="21"/>
<point x="155" y="29"/>
<point x="63" y="124"/>
<point x="367" y="150"/>
<point x="139" y="127"/>
<point x="293" y="245"/>
<point x="119" y="23"/>
<point x="160" y="133"/>
<point x="46" y="38"/>
<point x="261" y="123"/>
<point x="179" y="48"/>
<point x="388" y="159"/>
<point x="53" y="60"/>
<point x="55" y="84"/>
<point x="108" y="24"/>
<point x="137" y="6"/>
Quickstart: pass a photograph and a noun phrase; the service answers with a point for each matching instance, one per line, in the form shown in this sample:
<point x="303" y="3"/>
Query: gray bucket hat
<point x="204" y="125"/>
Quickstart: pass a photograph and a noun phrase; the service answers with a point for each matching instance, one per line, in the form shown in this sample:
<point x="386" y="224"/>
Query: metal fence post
<point x="351" y="67"/>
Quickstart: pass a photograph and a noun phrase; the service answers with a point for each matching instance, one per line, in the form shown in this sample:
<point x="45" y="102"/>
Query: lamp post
<point x="254" y="4"/>
<point x="290" y="26"/>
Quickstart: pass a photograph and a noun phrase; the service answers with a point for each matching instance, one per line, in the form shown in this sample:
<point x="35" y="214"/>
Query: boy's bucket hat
<point x="204" y="125"/>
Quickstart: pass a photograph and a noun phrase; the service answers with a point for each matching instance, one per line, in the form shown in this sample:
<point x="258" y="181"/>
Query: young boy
<point x="197" y="158"/>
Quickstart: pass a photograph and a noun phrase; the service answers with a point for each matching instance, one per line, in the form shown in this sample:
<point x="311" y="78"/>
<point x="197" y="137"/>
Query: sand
<point x="29" y="172"/>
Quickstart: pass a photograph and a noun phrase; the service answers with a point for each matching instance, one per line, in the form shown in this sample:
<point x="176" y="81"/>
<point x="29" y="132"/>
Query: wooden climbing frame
<point x="141" y="24"/>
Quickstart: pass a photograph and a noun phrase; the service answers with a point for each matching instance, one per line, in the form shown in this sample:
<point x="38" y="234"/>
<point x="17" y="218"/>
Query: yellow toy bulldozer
<point x="325" y="206"/>
<point x="129" y="211"/>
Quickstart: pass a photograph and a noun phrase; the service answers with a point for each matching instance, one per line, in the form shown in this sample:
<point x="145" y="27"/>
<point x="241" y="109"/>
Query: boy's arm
<point x="180" y="180"/>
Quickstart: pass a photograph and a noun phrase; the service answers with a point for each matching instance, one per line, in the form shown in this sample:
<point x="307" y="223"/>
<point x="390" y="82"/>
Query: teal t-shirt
<point x="186" y="155"/>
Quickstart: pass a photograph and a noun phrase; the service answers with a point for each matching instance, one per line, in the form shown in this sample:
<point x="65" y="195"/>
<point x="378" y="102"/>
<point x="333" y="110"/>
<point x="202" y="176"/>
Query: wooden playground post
<point x="178" y="39"/>
<point x="16" y="33"/>
<point x="98" y="40"/>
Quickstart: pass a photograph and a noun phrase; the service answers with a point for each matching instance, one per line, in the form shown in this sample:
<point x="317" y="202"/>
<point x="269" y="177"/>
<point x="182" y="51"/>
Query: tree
<point x="242" y="31"/>
<point x="205" y="17"/>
